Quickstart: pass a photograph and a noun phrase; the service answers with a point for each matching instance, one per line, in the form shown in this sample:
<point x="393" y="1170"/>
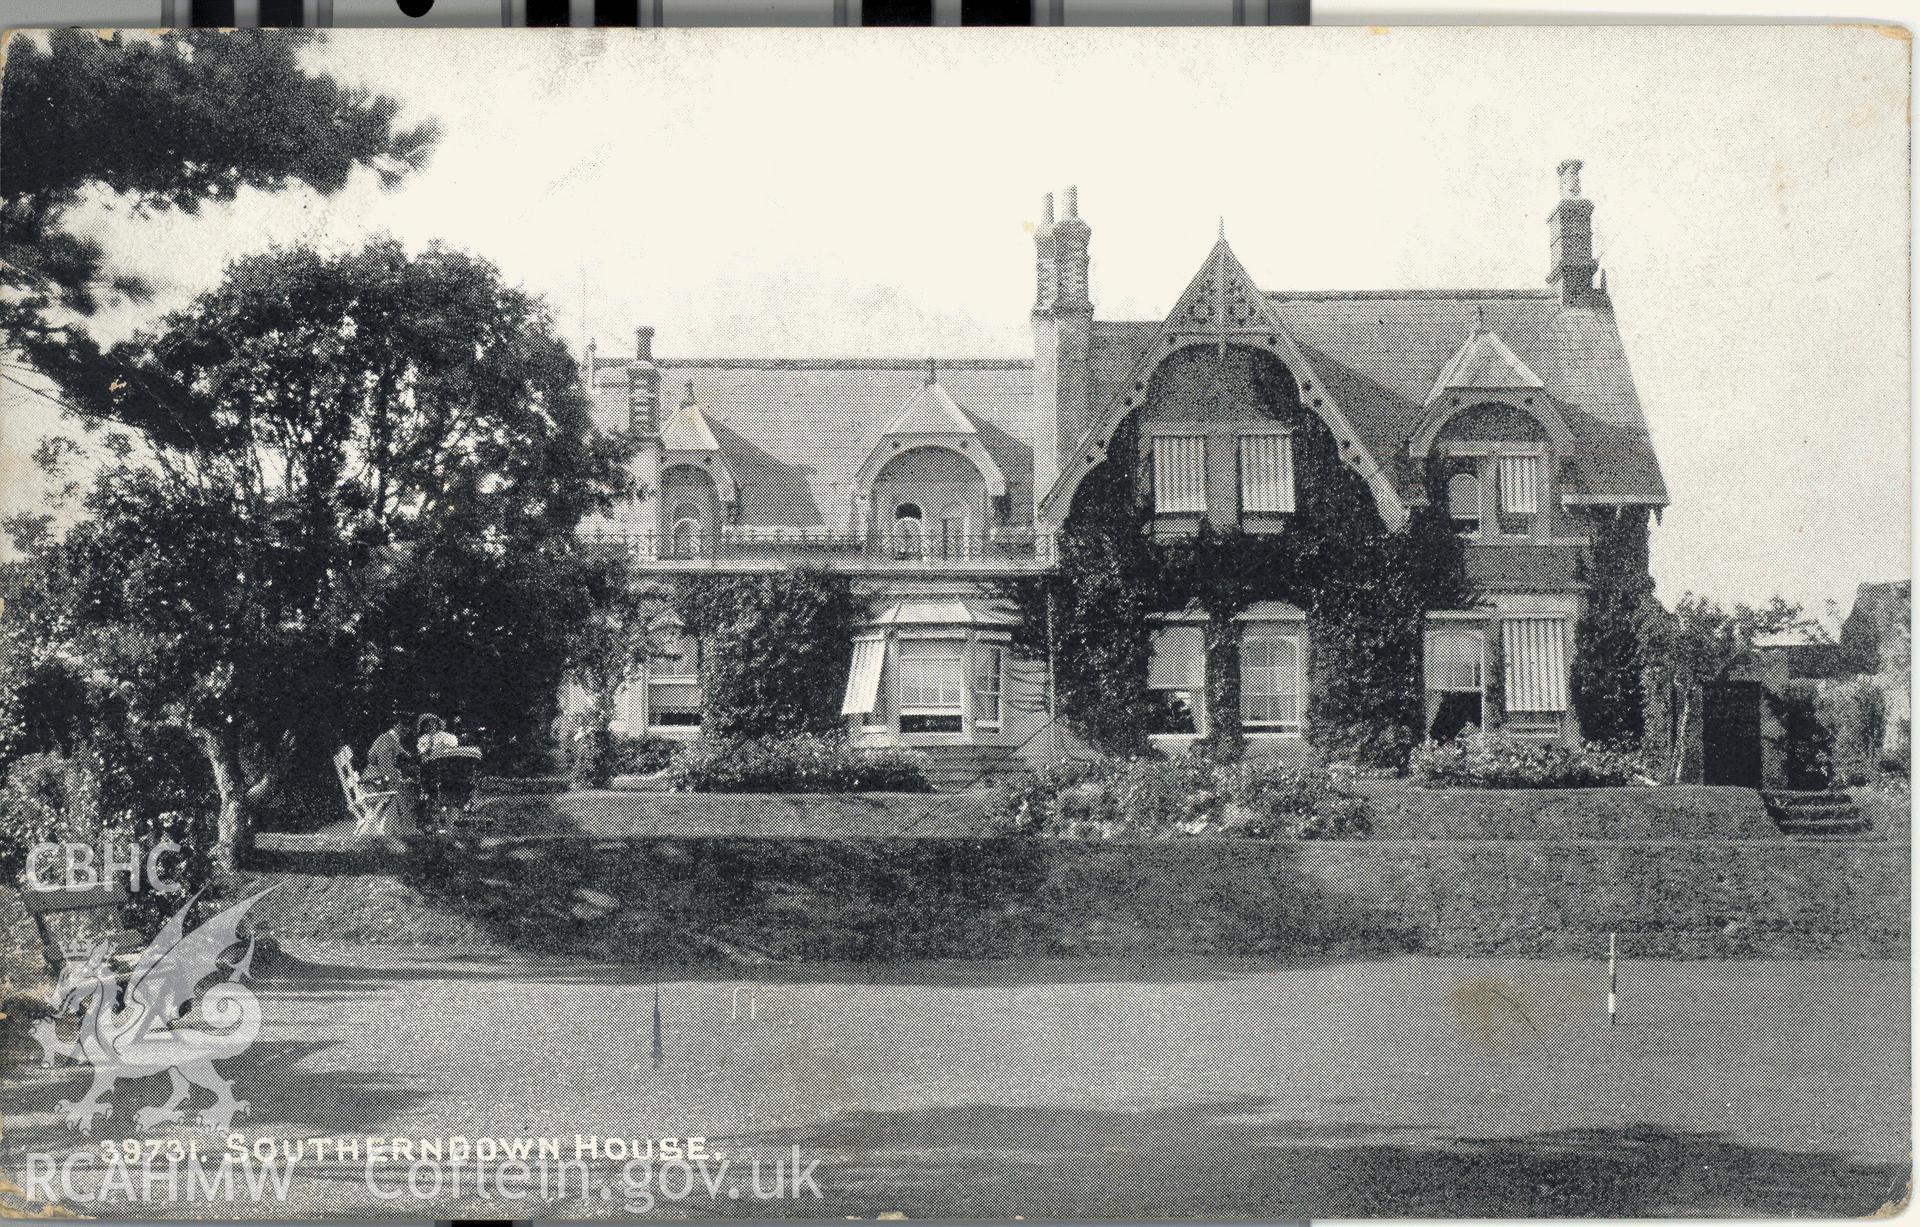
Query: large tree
<point x="364" y="496"/>
<point x="157" y="123"/>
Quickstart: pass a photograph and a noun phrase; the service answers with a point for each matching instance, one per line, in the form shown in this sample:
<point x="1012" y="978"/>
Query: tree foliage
<point x="775" y="649"/>
<point x="1609" y="693"/>
<point x="360" y="494"/>
<point x="154" y="124"/>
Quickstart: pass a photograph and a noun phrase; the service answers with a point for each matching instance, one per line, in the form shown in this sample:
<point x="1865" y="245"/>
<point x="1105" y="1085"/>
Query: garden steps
<point x="958" y="768"/>
<point x="1815" y="814"/>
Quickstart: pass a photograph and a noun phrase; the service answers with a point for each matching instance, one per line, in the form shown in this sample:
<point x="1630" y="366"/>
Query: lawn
<point x="1190" y="1087"/>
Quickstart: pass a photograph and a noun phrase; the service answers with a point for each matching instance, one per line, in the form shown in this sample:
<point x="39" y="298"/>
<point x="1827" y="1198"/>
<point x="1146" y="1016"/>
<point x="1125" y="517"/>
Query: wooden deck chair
<point x="373" y="812"/>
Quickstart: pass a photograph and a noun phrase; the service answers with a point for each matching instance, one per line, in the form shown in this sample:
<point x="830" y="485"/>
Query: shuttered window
<point x="1270" y="682"/>
<point x="1520" y="484"/>
<point x="1536" y="664"/>
<point x="1179" y="474"/>
<point x="1456" y="659"/>
<point x="1266" y="472"/>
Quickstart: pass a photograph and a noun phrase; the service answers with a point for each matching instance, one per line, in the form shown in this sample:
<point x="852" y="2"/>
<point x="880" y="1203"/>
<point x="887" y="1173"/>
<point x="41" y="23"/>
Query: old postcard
<point x="1237" y="624"/>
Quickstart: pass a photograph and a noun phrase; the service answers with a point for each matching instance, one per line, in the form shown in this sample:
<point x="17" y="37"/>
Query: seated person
<point x="390" y="768"/>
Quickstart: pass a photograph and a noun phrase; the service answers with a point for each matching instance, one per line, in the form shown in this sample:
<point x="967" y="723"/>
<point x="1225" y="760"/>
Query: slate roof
<point x="795" y="432"/>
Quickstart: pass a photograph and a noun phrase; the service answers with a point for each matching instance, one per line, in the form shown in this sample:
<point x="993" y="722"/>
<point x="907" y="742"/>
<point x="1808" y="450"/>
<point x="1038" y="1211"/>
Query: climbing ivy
<point x="1365" y="590"/>
<point x="1609" y="693"/>
<point x="774" y="649"/>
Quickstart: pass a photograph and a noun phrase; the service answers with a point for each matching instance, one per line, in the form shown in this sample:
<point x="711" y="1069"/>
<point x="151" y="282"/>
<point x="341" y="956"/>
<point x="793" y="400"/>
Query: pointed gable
<point x="931" y="411"/>
<point x="1222" y="306"/>
<point x="931" y="418"/>
<point x="687" y="438"/>
<point x="1484" y="364"/>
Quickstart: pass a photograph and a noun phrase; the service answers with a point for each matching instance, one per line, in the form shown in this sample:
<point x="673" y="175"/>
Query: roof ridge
<point x="843" y="364"/>
<point x="1470" y="293"/>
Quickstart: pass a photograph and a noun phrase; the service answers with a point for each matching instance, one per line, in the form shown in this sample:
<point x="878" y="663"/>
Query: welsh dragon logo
<point x="158" y="1024"/>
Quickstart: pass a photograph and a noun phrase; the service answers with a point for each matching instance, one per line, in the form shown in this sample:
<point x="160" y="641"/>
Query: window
<point x="1270" y="682"/>
<point x="1266" y="473"/>
<point x="1463" y="503"/>
<point x="1456" y="662"/>
<point x="1519" y="493"/>
<point x="686" y="531"/>
<point x="1536" y="670"/>
<point x="953" y="532"/>
<point x="931" y="685"/>
<point x="674" y="695"/>
<point x="1179" y="474"/>
<point x="1176" y="676"/>
<point x="909" y="536"/>
<point x="989" y="682"/>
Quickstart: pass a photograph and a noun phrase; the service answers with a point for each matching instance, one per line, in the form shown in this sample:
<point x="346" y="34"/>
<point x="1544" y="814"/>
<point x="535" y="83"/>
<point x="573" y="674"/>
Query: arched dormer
<point x="1484" y="371"/>
<point x="686" y="438"/>
<point x="931" y="463"/>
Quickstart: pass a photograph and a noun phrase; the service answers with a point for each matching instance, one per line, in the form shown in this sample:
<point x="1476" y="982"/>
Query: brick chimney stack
<point x="1570" y="239"/>
<point x="1062" y="338"/>
<point x="643" y="386"/>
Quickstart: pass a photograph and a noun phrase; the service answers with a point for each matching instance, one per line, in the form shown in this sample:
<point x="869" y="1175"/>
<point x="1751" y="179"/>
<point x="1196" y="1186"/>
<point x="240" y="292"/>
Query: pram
<point x="447" y="778"/>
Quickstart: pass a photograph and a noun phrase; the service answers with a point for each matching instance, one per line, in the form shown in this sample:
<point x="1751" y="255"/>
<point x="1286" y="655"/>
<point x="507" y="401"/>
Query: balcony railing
<point x="828" y="546"/>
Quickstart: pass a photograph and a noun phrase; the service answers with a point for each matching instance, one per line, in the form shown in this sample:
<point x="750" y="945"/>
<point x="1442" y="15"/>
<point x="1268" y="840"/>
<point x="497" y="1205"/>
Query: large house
<point x="930" y="482"/>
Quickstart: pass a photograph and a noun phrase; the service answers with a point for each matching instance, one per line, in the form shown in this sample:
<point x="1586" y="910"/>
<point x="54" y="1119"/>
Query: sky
<point x="839" y="193"/>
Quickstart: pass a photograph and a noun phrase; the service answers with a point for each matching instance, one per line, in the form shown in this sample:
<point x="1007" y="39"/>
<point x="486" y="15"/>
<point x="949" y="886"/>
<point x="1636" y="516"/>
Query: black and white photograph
<point x="1057" y="624"/>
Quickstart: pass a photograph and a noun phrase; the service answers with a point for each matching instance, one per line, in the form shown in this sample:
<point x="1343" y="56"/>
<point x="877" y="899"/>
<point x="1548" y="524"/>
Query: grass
<point x="1414" y="1086"/>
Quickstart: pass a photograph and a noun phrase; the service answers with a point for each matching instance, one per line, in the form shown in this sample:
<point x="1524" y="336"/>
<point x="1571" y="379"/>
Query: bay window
<point x="989" y="684"/>
<point x="932" y="687"/>
<point x="674" y="693"/>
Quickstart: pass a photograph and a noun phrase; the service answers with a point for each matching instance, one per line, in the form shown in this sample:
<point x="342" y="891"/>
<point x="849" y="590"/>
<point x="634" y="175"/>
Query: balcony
<point x="737" y="548"/>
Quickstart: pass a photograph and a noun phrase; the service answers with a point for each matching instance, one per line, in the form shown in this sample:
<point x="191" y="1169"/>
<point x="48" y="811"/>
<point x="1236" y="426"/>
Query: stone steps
<point x="1831" y="815"/>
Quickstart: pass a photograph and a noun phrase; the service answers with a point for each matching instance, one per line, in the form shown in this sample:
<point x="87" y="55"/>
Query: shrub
<point x="596" y="754"/>
<point x="1856" y="712"/>
<point x="1805" y="744"/>
<point x="806" y="763"/>
<point x="1194" y="795"/>
<point x="1495" y="760"/>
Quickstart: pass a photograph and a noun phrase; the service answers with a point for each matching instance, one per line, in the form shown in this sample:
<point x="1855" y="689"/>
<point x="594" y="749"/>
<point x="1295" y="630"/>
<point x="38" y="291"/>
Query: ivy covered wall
<point x="1365" y="589"/>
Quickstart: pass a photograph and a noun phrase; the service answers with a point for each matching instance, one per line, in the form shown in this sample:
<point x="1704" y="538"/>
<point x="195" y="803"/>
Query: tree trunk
<point x="1680" y="733"/>
<point x="229" y="780"/>
<point x="1225" y="734"/>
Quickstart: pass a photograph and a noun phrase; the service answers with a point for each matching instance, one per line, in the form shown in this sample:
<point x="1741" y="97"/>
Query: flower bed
<point x="1494" y="760"/>
<point x="1151" y="798"/>
<point x="806" y="763"/>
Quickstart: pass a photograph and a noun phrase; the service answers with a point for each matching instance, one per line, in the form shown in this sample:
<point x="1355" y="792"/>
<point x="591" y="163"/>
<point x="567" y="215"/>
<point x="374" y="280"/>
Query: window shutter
<point x="1266" y="472"/>
<point x="1179" y="474"/>
<point x="1536" y="666"/>
<point x="1179" y="659"/>
<point x="1454" y="659"/>
<point x="863" y="679"/>
<point x="1520" y="484"/>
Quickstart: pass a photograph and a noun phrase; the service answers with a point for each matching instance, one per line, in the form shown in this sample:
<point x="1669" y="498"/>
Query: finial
<point x="930" y="374"/>
<point x="688" y="400"/>
<point x="1479" y="321"/>
<point x="1223" y="227"/>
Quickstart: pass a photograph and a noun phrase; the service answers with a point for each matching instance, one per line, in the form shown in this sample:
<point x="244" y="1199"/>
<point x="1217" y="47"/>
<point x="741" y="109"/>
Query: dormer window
<point x="1266" y="473"/>
<point x="1179" y="474"/>
<point x="1463" y="503"/>
<point x="685" y="542"/>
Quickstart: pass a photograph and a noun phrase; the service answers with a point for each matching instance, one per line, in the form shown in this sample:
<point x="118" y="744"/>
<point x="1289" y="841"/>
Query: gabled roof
<point x="1221" y="305"/>
<point x="1484" y="364"/>
<point x="686" y="430"/>
<point x="930" y="411"/>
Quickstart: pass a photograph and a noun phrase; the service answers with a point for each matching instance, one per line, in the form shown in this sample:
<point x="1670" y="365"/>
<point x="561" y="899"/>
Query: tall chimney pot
<point x="1570" y="178"/>
<point x="1073" y="201"/>
<point x="643" y="343"/>
<point x="1046" y="208"/>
